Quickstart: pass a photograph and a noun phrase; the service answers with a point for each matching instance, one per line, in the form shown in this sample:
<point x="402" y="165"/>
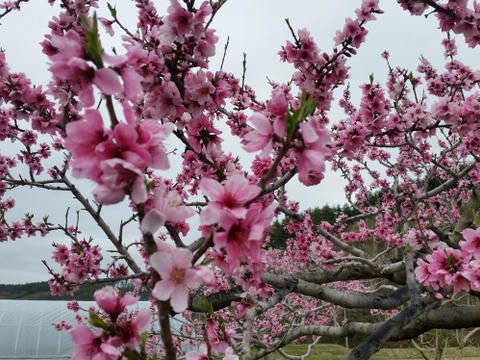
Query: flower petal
<point x="107" y="81"/>
<point x="152" y="221"/>
<point x="162" y="262"/>
<point x="163" y="289"/>
<point x="179" y="298"/>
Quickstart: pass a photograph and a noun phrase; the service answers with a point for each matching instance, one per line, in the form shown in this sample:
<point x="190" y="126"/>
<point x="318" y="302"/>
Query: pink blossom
<point x="368" y="8"/>
<point x="228" y="197"/>
<point x="69" y="64"/>
<point x="311" y="165"/>
<point x="201" y="354"/>
<point x="167" y="100"/>
<point x="218" y="338"/>
<point x="118" y="179"/>
<point x="203" y="135"/>
<point x="472" y="273"/>
<point x="83" y="137"/>
<point x="352" y="32"/>
<point x="131" y="83"/>
<point x="125" y="64"/>
<point x="200" y="88"/>
<point x="425" y="275"/>
<point x="278" y="104"/>
<point x="445" y="267"/>
<point x="419" y="239"/>
<point x="107" y="24"/>
<point x="261" y="137"/>
<point x="180" y="18"/>
<point x="151" y="136"/>
<point x="205" y="48"/>
<point x="123" y="143"/>
<point x="242" y="238"/>
<point x="111" y="301"/>
<point x="137" y="326"/>
<point x="177" y="275"/>
<point x="91" y="346"/>
<point x="472" y="242"/>
<point x="229" y="355"/>
<point x="168" y="207"/>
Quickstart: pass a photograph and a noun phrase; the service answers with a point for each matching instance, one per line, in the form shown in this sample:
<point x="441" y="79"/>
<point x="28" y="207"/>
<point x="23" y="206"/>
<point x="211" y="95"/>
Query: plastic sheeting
<point x="27" y="328"/>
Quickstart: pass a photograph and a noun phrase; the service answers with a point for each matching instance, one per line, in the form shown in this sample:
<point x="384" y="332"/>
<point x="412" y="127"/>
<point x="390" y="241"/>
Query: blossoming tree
<point x="412" y="145"/>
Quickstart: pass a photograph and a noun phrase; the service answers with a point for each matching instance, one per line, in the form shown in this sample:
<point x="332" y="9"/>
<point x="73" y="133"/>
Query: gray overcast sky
<point x="255" y="27"/>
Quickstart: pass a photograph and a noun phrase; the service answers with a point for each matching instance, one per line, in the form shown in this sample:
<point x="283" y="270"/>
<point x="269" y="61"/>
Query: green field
<point x="337" y="352"/>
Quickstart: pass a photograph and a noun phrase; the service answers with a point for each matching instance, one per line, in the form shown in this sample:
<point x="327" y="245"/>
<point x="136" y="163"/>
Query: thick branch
<point x="218" y="300"/>
<point x="459" y="317"/>
<point x="390" y="328"/>
<point x="413" y="285"/>
<point x="356" y="271"/>
<point x="346" y="300"/>
<point x="449" y="318"/>
<point x="467" y="211"/>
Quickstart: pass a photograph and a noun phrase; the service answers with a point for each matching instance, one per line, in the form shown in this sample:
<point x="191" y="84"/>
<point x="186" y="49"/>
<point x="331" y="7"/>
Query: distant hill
<point x="41" y="291"/>
<point x="30" y="291"/>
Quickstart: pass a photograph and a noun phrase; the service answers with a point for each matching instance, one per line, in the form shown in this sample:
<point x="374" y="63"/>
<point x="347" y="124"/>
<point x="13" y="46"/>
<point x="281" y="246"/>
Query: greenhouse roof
<point x="27" y="328"/>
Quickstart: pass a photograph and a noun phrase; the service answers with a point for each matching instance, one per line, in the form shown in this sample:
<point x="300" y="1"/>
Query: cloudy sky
<point x="254" y="27"/>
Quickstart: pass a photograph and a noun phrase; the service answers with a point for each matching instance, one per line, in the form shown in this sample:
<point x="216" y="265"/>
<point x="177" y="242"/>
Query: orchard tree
<point x="410" y="152"/>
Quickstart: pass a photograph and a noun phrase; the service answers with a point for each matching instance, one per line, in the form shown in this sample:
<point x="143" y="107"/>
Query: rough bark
<point x="448" y="318"/>
<point x="466" y="214"/>
<point x="394" y="271"/>
<point x="379" y="337"/>
<point x="219" y="300"/>
<point x="341" y="298"/>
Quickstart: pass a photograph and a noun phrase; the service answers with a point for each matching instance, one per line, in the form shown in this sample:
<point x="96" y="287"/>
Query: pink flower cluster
<point x="118" y="329"/>
<point x="309" y="142"/>
<point x="69" y="63"/>
<point x="457" y="17"/>
<point x="319" y="73"/>
<point x="79" y="263"/>
<point x="116" y="159"/>
<point x="16" y="229"/>
<point x="459" y="268"/>
<point x="26" y="102"/>
<point x="241" y="226"/>
<point x="219" y="338"/>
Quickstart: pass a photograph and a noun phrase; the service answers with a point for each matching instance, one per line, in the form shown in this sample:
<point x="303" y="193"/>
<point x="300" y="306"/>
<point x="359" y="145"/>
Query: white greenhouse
<point x="27" y="331"/>
<point x="27" y="328"/>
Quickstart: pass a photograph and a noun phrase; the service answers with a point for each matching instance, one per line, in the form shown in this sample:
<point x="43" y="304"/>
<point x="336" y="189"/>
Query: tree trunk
<point x="441" y="340"/>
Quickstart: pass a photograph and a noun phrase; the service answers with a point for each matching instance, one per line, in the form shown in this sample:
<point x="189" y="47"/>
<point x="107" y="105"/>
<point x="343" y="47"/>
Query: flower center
<point x="177" y="274"/>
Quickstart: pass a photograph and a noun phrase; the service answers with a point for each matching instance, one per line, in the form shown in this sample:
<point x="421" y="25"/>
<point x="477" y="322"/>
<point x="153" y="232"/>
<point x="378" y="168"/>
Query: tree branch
<point x="389" y="328"/>
<point x="358" y="271"/>
<point x="447" y="318"/>
<point x="103" y="225"/>
<point x="336" y="241"/>
<point x="467" y="211"/>
<point x="341" y="298"/>
<point x="260" y="308"/>
<point x="218" y="300"/>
